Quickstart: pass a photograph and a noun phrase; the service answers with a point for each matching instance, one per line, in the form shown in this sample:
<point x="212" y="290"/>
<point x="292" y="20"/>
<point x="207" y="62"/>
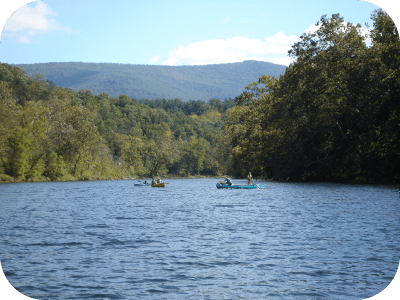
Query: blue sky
<point x="165" y="32"/>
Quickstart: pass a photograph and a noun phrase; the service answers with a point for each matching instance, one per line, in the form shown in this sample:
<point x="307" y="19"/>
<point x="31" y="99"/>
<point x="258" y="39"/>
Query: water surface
<point x="113" y="240"/>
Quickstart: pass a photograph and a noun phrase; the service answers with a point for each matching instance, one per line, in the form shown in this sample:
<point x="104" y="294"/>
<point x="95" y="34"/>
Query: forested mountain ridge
<point x="222" y="81"/>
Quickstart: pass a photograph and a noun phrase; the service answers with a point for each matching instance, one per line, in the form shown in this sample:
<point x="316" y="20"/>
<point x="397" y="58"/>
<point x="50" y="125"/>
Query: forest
<point x="54" y="133"/>
<point x="152" y="82"/>
<point x="334" y="115"/>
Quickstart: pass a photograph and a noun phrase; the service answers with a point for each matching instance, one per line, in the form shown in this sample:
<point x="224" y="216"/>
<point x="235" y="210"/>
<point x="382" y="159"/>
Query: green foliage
<point x="22" y="149"/>
<point x="55" y="166"/>
<point x="57" y="134"/>
<point x="334" y="114"/>
<point x="193" y="156"/>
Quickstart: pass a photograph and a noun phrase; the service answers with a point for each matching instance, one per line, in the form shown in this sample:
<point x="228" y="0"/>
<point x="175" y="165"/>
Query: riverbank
<point x="69" y="178"/>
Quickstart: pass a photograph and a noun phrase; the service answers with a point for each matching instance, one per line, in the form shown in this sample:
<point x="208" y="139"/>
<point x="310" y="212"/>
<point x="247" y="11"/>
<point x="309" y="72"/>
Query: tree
<point x="25" y="143"/>
<point x="8" y="122"/>
<point x="193" y="156"/>
<point x="334" y="114"/>
<point x="384" y="89"/>
<point x="249" y="128"/>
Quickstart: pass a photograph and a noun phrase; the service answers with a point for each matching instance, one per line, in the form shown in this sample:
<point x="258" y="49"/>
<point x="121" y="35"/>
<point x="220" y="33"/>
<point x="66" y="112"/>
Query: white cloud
<point x="237" y="49"/>
<point x="366" y="33"/>
<point x="281" y="60"/>
<point x="230" y="50"/>
<point x="28" y="21"/>
<point x="312" y="29"/>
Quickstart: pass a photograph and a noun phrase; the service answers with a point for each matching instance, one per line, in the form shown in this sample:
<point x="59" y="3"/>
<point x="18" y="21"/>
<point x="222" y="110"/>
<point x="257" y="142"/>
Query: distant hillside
<point x="221" y="81"/>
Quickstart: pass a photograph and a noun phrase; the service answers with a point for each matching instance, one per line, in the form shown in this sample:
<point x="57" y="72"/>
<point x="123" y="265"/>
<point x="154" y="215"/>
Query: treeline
<point x="198" y="107"/>
<point x="221" y="81"/>
<point x="334" y="115"/>
<point x="54" y="133"/>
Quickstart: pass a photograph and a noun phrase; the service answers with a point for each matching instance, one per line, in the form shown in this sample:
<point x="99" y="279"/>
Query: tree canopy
<point x="333" y="115"/>
<point x="54" y="133"/>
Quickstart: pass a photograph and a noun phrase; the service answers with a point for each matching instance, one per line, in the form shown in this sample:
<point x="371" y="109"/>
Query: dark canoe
<point x="238" y="186"/>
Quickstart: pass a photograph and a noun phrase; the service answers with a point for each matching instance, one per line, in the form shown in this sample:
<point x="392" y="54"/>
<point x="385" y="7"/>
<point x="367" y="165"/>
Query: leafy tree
<point x="8" y="121"/>
<point x="55" y="168"/>
<point x="24" y="147"/>
<point x="250" y="135"/>
<point x="332" y="116"/>
<point x="193" y="156"/>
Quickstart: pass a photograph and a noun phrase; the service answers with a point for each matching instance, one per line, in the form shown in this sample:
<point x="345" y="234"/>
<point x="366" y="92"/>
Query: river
<point x="189" y="240"/>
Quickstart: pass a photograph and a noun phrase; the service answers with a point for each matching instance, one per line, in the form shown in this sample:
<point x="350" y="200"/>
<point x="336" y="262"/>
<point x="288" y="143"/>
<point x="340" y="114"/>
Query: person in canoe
<point x="249" y="179"/>
<point x="156" y="181"/>
<point x="228" y="181"/>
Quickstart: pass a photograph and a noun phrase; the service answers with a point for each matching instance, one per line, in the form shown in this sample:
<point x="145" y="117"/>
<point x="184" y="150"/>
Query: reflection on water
<point x="112" y="240"/>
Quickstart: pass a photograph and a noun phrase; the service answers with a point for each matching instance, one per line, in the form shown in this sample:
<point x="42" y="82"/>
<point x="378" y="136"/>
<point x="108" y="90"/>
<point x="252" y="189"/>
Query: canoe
<point x="238" y="186"/>
<point x="141" y="184"/>
<point x="162" y="184"/>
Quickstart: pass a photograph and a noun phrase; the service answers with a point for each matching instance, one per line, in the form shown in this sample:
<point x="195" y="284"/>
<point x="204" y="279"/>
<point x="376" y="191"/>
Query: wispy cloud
<point x="226" y="20"/>
<point x="230" y="50"/>
<point x="28" y="21"/>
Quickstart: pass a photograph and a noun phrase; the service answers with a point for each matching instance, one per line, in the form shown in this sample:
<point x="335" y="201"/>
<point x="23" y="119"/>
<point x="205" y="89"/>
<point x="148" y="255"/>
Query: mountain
<point x="222" y="81"/>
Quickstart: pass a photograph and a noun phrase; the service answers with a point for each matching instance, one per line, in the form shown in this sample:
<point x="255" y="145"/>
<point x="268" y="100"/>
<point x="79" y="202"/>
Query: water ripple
<point x="110" y="240"/>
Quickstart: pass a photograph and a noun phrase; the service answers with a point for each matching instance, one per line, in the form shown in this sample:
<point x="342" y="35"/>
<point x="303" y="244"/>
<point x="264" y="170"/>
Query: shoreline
<point x="167" y="177"/>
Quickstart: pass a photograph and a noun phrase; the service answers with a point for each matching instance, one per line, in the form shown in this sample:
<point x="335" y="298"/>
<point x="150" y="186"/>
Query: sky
<point x="174" y="32"/>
